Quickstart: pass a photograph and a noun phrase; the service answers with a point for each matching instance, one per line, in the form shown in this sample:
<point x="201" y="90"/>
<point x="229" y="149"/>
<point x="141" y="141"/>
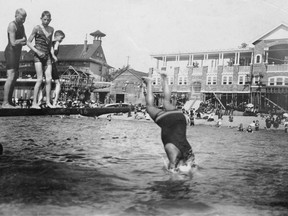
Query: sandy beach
<point x="237" y="120"/>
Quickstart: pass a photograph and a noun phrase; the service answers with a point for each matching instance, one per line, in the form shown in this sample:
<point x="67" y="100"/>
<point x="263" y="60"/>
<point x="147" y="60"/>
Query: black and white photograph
<point x="144" y="108"/>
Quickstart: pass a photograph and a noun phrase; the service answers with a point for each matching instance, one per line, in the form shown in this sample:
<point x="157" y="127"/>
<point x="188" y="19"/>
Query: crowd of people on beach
<point x="68" y="103"/>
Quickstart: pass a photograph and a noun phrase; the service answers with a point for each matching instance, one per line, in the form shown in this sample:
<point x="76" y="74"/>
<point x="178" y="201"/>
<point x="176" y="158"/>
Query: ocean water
<point x="86" y="166"/>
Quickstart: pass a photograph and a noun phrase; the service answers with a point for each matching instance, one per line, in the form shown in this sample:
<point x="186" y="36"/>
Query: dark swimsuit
<point x="42" y="44"/>
<point x="13" y="53"/>
<point x="55" y="74"/>
<point x="173" y="125"/>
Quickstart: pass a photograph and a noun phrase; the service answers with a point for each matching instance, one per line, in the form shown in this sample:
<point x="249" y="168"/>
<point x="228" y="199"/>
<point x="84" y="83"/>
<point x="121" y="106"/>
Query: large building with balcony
<point x="255" y="74"/>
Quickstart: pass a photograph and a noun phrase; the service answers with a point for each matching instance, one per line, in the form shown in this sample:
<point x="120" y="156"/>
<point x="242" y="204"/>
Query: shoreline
<point x="237" y="120"/>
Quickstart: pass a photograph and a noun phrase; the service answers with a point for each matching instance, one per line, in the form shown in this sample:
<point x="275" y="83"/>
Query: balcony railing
<point x="277" y="68"/>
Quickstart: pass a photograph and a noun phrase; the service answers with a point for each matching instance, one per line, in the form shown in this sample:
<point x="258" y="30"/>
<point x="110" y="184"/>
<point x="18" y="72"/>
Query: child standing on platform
<point x="58" y="38"/>
<point x="42" y="58"/>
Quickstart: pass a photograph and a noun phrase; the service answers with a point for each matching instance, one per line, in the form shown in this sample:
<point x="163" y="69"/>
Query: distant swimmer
<point x="109" y="117"/>
<point x="249" y="129"/>
<point x="257" y="125"/>
<point x="173" y="127"/>
<point x="240" y="128"/>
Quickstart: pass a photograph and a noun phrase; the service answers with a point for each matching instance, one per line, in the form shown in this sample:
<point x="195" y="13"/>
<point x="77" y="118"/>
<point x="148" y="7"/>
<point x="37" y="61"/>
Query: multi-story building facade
<point x="257" y="75"/>
<point x="127" y="87"/>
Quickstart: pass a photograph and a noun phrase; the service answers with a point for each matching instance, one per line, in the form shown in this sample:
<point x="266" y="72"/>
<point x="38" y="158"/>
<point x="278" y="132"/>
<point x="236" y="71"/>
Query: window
<point x="256" y="80"/>
<point x="154" y="80"/>
<point x="258" y="59"/>
<point x="158" y="80"/>
<point x="224" y="80"/>
<point x="286" y="81"/>
<point x="279" y="81"/>
<point x="271" y="81"/>
<point x="185" y="81"/>
<point x="180" y="80"/>
<point x="227" y="80"/>
<point x="211" y="80"/>
<point x="197" y="87"/>
<point x="230" y="80"/>
<point x="241" y="79"/>
<point x="163" y="69"/>
<point x="171" y="80"/>
<point x="214" y="80"/>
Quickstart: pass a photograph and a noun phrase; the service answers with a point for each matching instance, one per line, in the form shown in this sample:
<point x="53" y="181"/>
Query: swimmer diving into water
<point x="173" y="126"/>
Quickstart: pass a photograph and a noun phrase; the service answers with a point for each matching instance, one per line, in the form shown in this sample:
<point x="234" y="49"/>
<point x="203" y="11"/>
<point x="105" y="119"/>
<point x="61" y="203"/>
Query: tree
<point x="243" y="45"/>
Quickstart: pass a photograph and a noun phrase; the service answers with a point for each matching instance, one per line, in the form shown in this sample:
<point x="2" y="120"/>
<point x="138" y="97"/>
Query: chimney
<point x="97" y="37"/>
<point x="97" y="41"/>
<point x="85" y="45"/>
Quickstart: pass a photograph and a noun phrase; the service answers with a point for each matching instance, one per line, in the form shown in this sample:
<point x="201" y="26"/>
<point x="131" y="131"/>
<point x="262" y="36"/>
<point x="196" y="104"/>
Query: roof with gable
<point x="76" y="51"/>
<point x="70" y="52"/>
<point x="25" y="56"/>
<point x="279" y="32"/>
<point x="137" y="74"/>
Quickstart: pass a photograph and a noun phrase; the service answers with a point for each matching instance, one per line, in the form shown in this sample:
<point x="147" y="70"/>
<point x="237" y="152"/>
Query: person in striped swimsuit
<point x="42" y="57"/>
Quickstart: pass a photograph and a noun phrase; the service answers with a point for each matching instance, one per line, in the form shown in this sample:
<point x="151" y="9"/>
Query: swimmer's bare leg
<point x="173" y="154"/>
<point x="149" y="98"/>
<point x="166" y="91"/>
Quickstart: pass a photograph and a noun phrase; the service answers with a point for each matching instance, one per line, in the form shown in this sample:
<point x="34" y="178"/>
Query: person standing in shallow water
<point x="16" y="39"/>
<point x="173" y="126"/>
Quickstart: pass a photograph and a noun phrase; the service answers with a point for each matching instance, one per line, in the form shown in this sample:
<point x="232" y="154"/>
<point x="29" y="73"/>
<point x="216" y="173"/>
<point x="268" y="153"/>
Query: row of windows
<point x="182" y="80"/>
<point x="211" y="80"/>
<point x="242" y="80"/>
<point x="278" y="81"/>
<point x="226" y="80"/>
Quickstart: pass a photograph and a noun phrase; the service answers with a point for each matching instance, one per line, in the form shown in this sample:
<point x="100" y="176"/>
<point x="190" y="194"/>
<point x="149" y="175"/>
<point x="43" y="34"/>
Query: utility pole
<point x="128" y="57"/>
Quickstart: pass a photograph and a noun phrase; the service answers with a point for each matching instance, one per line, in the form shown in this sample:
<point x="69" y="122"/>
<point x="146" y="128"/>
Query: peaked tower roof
<point x="97" y="34"/>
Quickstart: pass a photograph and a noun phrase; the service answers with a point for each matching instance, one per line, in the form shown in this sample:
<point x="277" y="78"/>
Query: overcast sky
<point x="139" y="28"/>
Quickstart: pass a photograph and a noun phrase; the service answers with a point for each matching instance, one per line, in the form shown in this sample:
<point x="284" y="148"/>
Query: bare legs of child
<point x="57" y="92"/>
<point x="37" y="87"/>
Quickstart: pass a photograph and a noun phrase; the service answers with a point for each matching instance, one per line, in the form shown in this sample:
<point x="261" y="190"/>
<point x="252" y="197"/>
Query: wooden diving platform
<point x="63" y="111"/>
